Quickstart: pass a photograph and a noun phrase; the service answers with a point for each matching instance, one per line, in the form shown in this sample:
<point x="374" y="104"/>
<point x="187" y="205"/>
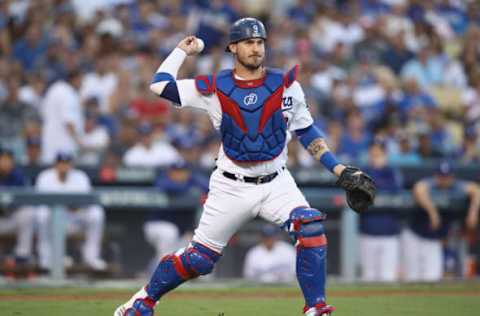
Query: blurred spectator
<point x="102" y="82"/>
<point x="62" y="117"/>
<point x="397" y="54"/>
<point x="422" y="241"/>
<point x="63" y="177"/>
<point x="18" y="221"/>
<point x="14" y="115"/>
<point x="33" y="157"/>
<point x="470" y="151"/>
<point x="160" y="229"/>
<point x="188" y="148"/>
<point x="148" y="152"/>
<point x="414" y="101"/>
<point x="32" y="91"/>
<point x="405" y="155"/>
<point x="94" y="141"/>
<point x="272" y="260"/>
<point x="441" y="138"/>
<point x="471" y="101"/>
<point x="425" y="69"/>
<point x="425" y="148"/>
<point x="380" y="230"/>
<point x="213" y="20"/>
<point x="354" y="142"/>
<point x="302" y="12"/>
<point x="29" y="49"/>
<point x="147" y="106"/>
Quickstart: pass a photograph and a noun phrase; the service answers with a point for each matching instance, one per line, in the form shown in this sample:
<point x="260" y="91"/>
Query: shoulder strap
<point x="205" y="84"/>
<point x="290" y="76"/>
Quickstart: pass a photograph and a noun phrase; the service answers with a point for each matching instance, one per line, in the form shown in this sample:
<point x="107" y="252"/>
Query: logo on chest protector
<point x="250" y="99"/>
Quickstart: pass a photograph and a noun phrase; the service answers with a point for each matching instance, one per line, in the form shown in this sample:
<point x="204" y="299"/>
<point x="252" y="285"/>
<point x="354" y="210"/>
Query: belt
<point x="257" y="180"/>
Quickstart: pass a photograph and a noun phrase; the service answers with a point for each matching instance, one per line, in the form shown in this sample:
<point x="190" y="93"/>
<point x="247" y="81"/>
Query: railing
<point x="135" y="198"/>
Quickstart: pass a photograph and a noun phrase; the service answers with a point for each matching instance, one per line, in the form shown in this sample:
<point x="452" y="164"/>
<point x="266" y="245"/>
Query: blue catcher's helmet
<point x="246" y="28"/>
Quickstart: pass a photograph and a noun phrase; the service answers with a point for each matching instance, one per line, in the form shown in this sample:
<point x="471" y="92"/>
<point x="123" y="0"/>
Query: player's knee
<point x="194" y="261"/>
<point x="305" y="226"/>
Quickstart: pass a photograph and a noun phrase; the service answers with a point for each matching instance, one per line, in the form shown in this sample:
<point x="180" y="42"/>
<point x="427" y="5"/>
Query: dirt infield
<point x="197" y="295"/>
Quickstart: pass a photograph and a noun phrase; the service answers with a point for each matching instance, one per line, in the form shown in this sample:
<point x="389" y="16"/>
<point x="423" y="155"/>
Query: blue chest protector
<point x="253" y="128"/>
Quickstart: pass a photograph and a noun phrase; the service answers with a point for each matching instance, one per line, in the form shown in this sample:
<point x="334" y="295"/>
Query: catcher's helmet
<point x="246" y="28"/>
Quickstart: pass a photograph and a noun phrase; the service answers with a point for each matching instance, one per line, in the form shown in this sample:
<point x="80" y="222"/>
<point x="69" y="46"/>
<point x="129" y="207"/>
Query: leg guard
<point x="305" y="226"/>
<point x="175" y="269"/>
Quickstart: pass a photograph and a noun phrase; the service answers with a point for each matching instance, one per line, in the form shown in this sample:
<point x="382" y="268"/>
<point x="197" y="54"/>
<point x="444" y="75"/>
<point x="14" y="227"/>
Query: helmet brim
<point x="227" y="49"/>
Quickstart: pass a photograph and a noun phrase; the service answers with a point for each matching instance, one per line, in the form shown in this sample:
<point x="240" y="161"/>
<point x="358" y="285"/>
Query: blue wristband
<point x="329" y="161"/>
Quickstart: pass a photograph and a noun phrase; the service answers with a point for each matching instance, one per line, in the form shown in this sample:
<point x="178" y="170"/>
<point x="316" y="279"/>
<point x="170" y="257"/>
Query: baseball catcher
<point x="256" y="110"/>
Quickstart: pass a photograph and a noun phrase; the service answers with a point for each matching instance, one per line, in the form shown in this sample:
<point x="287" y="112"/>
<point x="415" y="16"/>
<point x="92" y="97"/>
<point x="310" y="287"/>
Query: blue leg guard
<point x="175" y="269"/>
<point x="305" y="226"/>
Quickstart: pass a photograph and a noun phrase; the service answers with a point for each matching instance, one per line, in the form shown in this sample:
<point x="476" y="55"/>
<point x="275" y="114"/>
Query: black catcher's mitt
<point x="359" y="187"/>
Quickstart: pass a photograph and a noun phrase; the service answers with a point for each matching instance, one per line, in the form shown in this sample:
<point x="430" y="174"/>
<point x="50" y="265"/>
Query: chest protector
<point x="253" y="128"/>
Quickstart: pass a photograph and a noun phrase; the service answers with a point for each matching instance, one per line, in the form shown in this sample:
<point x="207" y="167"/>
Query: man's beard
<point x="250" y="66"/>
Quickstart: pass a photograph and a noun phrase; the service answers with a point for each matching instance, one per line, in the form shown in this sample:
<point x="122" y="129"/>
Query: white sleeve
<point x="301" y="117"/>
<point x="187" y="91"/>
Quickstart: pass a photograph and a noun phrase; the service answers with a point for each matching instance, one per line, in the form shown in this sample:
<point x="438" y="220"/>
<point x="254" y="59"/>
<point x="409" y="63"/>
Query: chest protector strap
<point x="253" y="128"/>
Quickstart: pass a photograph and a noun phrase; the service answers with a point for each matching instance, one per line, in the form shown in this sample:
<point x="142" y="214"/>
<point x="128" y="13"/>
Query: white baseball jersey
<point x="76" y="182"/>
<point x="60" y="106"/>
<point x="294" y="109"/>
<point x="231" y="203"/>
<point x="88" y="219"/>
<point x="274" y="265"/>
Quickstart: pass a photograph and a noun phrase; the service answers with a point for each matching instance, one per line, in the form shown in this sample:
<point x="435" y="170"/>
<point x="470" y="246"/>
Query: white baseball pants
<point x="231" y="203"/>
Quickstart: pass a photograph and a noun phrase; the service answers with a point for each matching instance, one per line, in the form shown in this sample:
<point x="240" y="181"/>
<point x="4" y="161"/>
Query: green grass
<point x="456" y="299"/>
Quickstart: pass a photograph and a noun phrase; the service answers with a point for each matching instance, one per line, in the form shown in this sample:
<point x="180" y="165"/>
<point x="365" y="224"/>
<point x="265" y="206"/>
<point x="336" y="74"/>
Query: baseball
<point x="200" y="45"/>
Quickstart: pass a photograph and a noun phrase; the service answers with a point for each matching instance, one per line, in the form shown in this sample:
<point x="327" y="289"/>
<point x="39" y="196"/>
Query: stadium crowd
<point x="74" y="77"/>
<point x="403" y="71"/>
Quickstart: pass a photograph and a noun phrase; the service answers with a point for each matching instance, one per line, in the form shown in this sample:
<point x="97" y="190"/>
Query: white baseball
<point x="200" y="45"/>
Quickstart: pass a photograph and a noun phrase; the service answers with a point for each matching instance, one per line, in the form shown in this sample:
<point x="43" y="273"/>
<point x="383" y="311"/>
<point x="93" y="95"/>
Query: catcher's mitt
<point x="359" y="187"/>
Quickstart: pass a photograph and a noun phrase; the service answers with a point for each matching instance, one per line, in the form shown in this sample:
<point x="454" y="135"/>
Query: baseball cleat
<point x="139" y="305"/>
<point x="321" y="309"/>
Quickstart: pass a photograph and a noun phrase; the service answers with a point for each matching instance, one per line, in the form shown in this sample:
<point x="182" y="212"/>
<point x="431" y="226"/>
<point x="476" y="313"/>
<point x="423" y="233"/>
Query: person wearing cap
<point x="62" y="177"/>
<point x="18" y="221"/>
<point x="33" y="152"/>
<point x="62" y="117"/>
<point x="422" y="240"/>
<point x="163" y="229"/>
<point x="272" y="260"/>
<point x="380" y="230"/>
<point x="94" y="141"/>
<point x="257" y="111"/>
<point x="148" y="151"/>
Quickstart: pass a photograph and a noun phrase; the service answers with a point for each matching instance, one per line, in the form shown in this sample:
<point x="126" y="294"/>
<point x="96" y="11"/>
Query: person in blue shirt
<point x="354" y="142"/>
<point x="379" y="230"/>
<point x="18" y="221"/>
<point x="162" y="228"/>
<point x="422" y="241"/>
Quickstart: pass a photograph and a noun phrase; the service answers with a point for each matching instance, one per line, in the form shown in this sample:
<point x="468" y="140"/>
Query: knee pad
<point x="198" y="260"/>
<point x="177" y="268"/>
<point x="305" y="227"/>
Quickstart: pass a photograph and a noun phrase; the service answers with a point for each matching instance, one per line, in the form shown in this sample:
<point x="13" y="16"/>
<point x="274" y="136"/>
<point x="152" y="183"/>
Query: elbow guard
<point x="170" y="90"/>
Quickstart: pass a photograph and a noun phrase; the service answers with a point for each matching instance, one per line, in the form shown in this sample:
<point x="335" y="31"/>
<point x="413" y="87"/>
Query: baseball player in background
<point x="427" y="228"/>
<point x="272" y="260"/>
<point x="256" y="109"/>
<point x="90" y="220"/>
